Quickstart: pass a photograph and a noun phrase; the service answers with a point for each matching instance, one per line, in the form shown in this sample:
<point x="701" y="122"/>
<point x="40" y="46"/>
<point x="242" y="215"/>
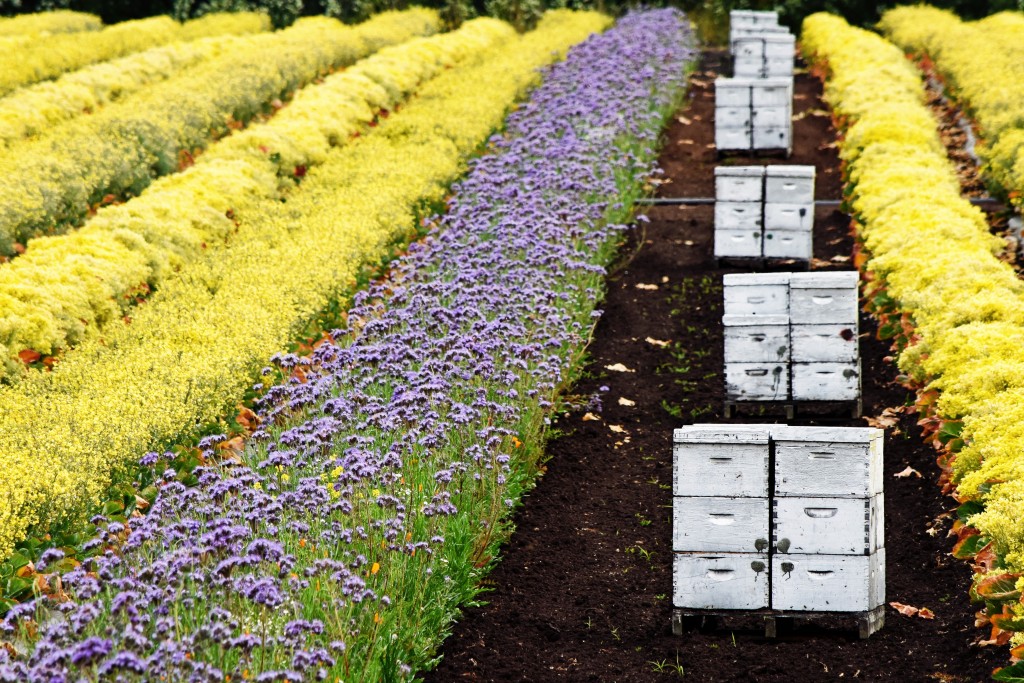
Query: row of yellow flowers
<point x="983" y="63"/>
<point x="66" y="288"/>
<point x="49" y="23"/>
<point x="49" y="182"/>
<point x="932" y="255"/>
<point x="192" y="350"/>
<point x="50" y="56"/>
<point x="33" y="109"/>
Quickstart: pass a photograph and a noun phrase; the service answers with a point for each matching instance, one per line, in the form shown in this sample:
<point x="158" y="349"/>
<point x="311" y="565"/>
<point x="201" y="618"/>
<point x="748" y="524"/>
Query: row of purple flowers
<point x="372" y="497"/>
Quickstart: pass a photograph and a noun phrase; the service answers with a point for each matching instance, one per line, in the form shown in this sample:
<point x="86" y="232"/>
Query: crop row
<point x="362" y="510"/>
<point x="49" y="183"/>
<point x="983" y="64"/>
<point x="49" y="23"/>
<point x="33" y="109"/>
<point x="41" y="59"/>
<point x="67" y="288"/>
<point x="195" y="346"/>
<point x="956" y="310"/>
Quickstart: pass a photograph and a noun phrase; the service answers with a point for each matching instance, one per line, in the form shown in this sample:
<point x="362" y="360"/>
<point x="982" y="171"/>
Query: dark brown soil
<point x="583" y="592"/>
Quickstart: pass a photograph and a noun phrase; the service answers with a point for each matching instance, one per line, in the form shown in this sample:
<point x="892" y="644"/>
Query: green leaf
<point x="16" y="586"/>
<point x="968" y="510"/>
<point x="1010" y="674"/>
<point x="112" y="507"/>
<point x="999" y="588"/>
<point x="950" y="431"/>
<point x="969" y="547"/>
<point x="17" y="560"/>
<point x="6" y="604"/>
<point x="888" y="331"/>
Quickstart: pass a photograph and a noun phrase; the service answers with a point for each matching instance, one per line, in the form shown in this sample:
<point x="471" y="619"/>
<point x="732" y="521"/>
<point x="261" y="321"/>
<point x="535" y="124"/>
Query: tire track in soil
<point x="583" y="590"/>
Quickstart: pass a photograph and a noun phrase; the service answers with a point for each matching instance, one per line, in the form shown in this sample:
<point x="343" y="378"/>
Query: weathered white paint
<point x="748" y="18"/>
<point x="826" y="381"/>
<point x="827" y="461"/>
<point x="733" y="138"/>
<point x="789" y="184"/>
<point x="756" y="338"/>
<point x="739" y="183"/>
<point x="768" y="44"/>
<point x="823" y="297"/>
<point x="744" y="243"/>
<point x="772" y="92"/>
<point x="772" y="117"/>
<point x="788" y="216"/>
<point x="710" y="581"/>
<point x="734" y="118"/>
<point x="827" y="526"/>
<point x="737" y="215"/>
<point x="756" y="293"/>
<point x="756" y="381"/>
<point x="831" y="343"/>
<point x="731" y="92"/>
<point x="828" y="583"/>
<point x="734" y="468"/>
<point x="720" y="524"/>
<point x="793" y="244"/>
<point x="773" y="137"/>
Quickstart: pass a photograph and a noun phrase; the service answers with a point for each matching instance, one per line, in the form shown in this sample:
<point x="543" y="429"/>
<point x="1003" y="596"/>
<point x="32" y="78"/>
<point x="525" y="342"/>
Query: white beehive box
<point x="752" y="18"/>
<point x="717" y="461"/>
<point x="829" y="343"/>
<point x="771" y="118"/>
<point x="757" y="381"/>
<point x="768" y="44"/>
<point x="738" y="243"/>
<point x="828" y="461"/>
<point x="773" y="137"/>
<point x="739" y="184"/>
<point x="788" y="244"/>
<point x="725" y="581"/>
<point x="789" y="184"/>
<point x="720" y="524"/>
<point x="733" y="92"/>
<point x="824" y="297"/>
<point x="771" y="92"/>
<point x="756" y="338"/>
<point x="826" y="381"/>
<point x="737" y="33"/>
<point x="828" y="526"/>
<point x="734" y="118"/>
<point x="733" y="138"/>
<point x="828" y="583"/>
<point x="788" y="216"/>
<point x="756" y="293"/>
<point x="738" y="215"/>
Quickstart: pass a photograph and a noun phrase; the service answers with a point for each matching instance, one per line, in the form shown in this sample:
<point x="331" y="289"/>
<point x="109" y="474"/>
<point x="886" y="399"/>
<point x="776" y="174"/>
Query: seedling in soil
<point x="643" y="520"/>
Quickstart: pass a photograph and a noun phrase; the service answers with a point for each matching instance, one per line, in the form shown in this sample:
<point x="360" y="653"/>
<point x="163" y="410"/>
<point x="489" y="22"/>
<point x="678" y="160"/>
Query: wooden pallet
<point x="789" y="408"/>
<point x="684" y="619"/>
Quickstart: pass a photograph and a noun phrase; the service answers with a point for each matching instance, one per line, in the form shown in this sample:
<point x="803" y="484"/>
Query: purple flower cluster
<point x="368" y="490"/>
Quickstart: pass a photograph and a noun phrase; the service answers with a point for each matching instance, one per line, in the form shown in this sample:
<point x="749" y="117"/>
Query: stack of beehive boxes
<point x="764" y="212"/>
<point x="753" y="111"/>
<point x="788" y="519"/>
<point x="791" y="337"/>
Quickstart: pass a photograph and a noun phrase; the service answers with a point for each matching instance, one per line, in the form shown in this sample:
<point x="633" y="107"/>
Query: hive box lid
<point x="739" y="171"/>
<point x="830" y="434"/>
<point x="835" y="279"/>
<point x="712" y="433"/>
<point x="739" y="320"/>
<point x="773" y="35"/>
<point x="754" y="279"/>
<point x="789" y="171"/>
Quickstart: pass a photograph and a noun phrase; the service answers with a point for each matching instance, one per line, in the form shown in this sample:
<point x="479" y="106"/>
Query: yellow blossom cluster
<point x="983" y="64"/>
<point x="195" y="346"/>
<point x="45" y="57"/>
<point x="48" y="183"/>
<point x="933" y="254"/>
<point x="67" y="288"/>
<point x="49" y="23"/>
<point x="33" y="109"/>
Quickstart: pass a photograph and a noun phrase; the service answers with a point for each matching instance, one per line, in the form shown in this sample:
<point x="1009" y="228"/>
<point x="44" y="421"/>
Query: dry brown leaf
<point x="710" y="146"/>
<point x="656" y="342"/>
<point x="683" y="120"/>
<point x="618" y="429"/>
<point x="685" y="142"/>
<point x="890" y="417"/>
<point x="626" y="402"/>
<point x="905" y="610"/>
<point x="909" y="472"/>
<point x="646" y="287"/>
<point x="618" y="367"/>
<point x="925" y="613"/>
<point x="590" y="417"/>
<point x="840" y="258"/>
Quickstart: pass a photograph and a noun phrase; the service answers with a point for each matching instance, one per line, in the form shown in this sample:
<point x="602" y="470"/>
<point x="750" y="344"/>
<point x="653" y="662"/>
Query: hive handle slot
<point x="821" y="513"/>
<point x="720" y="574"/>
<point x="722" y="518"/>
<point x="757" y="372"/>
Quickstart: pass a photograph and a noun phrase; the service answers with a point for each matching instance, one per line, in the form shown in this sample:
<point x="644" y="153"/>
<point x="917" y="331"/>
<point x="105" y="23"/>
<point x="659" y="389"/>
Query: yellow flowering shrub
<point x="49" y="23"/>
<point x="49" y="183"/>
<point x="983" y="64"/>
<point x="33" y="109"/>
<point x="194" y="347"/>
<point x="66" y="288"/>
<point x="934" y="255"/>
<point x="39" y="60"/>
